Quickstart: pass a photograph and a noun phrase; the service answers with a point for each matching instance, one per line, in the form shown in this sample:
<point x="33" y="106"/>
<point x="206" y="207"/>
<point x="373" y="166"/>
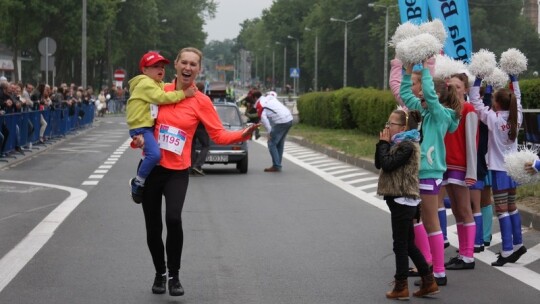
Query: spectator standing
<point x="398" y="157"/>
<point x="197" y="159"/>
<point x="251" y="111"/>
<point x="277" y="120"/>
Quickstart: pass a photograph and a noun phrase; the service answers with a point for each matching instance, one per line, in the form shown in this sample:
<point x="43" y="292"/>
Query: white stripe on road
<point x="20" y="255"/>
<point x="106" y="165"/>
<point x="90" y="183"/>
<point x="343" y="177"/>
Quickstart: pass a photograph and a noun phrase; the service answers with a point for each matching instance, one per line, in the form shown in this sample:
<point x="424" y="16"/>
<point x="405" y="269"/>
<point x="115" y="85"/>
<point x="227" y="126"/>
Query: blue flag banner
<point x="415" y="11"/>
<point x="454" y="14"/>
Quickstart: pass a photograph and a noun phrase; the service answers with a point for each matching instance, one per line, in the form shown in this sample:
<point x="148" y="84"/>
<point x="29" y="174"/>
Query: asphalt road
<point x="315" y="233"/>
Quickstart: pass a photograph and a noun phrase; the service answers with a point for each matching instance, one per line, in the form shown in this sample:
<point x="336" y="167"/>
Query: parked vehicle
<point x="236" y="153"/>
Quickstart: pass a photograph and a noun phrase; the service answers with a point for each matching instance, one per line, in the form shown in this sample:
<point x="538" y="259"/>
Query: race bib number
<point x="171" y="139"/>
<point x="154" y="110"/>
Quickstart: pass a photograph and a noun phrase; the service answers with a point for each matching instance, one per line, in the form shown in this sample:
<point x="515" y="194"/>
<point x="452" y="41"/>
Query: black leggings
<point x="173" y="185"/>
<point x="403" y="235"/>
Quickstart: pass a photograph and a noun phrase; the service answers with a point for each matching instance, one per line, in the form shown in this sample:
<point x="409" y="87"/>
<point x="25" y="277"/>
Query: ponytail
<point x="448" y="96"/>
<point x="512" y="117"/>
<point x="506" y="99"/>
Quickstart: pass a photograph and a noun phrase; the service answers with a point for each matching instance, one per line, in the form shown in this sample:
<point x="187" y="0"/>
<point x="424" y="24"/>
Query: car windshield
<point x="229" y="116"/>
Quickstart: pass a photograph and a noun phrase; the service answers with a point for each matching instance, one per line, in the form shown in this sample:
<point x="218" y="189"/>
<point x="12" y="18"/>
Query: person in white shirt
<point x="277" y="120"/>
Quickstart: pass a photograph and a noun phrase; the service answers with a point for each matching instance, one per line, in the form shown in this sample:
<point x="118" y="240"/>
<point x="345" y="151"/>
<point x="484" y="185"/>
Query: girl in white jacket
<point x="503" y="120"/>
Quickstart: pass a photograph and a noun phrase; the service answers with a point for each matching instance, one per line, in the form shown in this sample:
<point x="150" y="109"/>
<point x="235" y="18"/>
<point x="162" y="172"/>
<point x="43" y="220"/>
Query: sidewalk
<point x="529" y="216"/>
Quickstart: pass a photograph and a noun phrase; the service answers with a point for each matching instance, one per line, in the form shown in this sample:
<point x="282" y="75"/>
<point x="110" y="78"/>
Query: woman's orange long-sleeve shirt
<point x="185" y="116"/>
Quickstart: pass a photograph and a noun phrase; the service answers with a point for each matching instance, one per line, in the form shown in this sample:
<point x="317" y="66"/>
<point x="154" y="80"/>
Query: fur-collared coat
<point x="399" y="164"/>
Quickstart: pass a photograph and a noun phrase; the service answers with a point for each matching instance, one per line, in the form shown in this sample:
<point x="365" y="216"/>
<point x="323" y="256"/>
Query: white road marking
<point x="90" y="183"/>
<point x="112" y="159"/>
<point x="22" y="253"/>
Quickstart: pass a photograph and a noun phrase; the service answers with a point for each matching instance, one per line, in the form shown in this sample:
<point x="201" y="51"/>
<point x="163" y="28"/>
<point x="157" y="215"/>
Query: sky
<point x="229" y="15"/>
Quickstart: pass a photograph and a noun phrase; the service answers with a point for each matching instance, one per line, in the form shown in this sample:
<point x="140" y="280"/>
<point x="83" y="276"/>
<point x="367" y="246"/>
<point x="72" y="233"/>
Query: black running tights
<point x="173" y="185"/>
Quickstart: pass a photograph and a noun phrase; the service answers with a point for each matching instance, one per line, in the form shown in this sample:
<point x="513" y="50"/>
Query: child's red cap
<point x="152" y="58"/>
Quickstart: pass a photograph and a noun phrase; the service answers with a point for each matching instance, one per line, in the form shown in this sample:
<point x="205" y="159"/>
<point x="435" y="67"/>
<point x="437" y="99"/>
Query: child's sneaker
<point x="136" y="190"/>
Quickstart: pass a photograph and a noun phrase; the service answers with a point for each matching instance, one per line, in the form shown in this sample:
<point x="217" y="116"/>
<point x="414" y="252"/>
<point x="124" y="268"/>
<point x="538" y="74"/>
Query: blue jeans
<point x="152" y="154"/>
<point x="277" y="142"/>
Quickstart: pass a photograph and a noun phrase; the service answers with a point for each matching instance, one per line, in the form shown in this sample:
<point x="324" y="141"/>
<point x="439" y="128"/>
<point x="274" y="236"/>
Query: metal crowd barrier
<point x="22" y="129"/>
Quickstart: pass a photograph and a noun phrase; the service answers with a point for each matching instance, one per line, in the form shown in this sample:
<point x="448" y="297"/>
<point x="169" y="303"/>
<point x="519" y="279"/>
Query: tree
<point x="20" y="26"/>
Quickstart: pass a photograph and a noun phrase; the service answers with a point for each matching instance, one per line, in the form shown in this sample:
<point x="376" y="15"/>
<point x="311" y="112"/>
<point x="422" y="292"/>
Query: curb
<point x="529" y="218"/>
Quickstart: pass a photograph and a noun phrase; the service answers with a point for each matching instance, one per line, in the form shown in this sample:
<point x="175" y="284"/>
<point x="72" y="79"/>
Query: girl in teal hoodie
<point x="440" y="106"/>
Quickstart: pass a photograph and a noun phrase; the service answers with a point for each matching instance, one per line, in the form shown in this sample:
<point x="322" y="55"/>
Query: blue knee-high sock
<point x="506" y="233"/>
<point x="479" y="238"/>
<point x="446" y="201"/>
<point x="487" y="221"/>
<point x="442" y="220"/>
<point x="515" y="218"/>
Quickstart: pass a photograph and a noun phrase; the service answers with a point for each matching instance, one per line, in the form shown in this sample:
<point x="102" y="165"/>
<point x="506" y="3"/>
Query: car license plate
<point x="217" y="158"/>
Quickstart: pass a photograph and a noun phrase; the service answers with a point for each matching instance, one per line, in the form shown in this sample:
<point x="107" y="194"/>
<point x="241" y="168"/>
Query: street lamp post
<point x="284" y="64"/>
<point x="273" y="69"/>
<point x="256" y="67"/>
<point x="345" y="45"/>
<point x="264" y="68"/>
<point x="296" y="80"/>
<point x="315" y="80"/>
<point x="83" y="46"/>
<point x="385" y="81"/>
<point x="157" y="38"/>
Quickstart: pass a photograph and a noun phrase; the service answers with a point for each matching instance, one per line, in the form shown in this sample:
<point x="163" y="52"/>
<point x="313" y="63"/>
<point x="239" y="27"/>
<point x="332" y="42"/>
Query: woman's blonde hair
<point x="192" y="50"/>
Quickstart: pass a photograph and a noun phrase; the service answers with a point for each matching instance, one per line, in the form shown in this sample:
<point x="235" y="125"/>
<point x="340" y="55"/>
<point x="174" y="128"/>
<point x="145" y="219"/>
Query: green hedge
<point x="530" y="93"/>
<point x="367" y="109"/>
<point x="364" y="109"/>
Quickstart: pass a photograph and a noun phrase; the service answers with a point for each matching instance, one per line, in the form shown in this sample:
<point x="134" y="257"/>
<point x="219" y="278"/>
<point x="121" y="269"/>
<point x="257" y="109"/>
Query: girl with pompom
<point x="461" y="162"/>
<point x="503" y="121"/>
<point x="481" y="190"/>
<point x="397" y="155"/>
<point x="396" y="73"/>
<point x="440" y="107"/>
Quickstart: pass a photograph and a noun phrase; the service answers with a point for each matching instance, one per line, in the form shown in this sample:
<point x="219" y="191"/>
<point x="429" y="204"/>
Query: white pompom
<point x="418" y="48"/>
<point x="497" y="79"/>
<point x="513" y="62"/>
<point x="404" y="31"/>
<point x="435" y="28"/>
<point x="446" y="66"/>
<point x="482" y="63"/>
<point x="515" y="166"/>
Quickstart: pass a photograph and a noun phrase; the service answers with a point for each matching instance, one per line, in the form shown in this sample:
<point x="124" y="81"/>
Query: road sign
<point x="295" y="73"/>
<point x="119" y="75"/>
<point x="47" y="65"/>
<point x="47" y="46"/>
